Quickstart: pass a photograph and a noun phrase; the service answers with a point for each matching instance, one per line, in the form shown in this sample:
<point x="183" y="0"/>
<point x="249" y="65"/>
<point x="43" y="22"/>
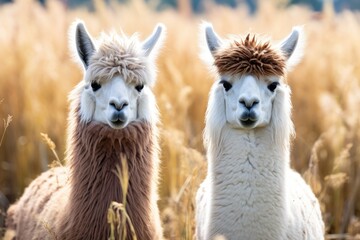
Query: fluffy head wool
<point x="123" y="56"/>
<point x="250" y="56"/>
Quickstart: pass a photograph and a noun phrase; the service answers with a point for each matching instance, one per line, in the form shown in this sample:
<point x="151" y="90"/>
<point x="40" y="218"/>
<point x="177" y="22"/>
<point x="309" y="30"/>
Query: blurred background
<point x="37" y="72"/>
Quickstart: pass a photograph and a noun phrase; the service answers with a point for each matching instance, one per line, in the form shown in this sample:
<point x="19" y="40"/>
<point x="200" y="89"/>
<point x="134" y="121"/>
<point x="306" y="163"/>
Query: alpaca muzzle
<point x="118" y="119"/>
<point x="248" y="118"/>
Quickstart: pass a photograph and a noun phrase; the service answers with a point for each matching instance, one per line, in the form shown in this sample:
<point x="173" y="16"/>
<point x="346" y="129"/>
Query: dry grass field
<point x="37" y="72"/>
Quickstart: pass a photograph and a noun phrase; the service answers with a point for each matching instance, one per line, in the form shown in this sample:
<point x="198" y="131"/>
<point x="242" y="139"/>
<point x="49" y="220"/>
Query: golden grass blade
<point x="118" y="218"/>
<point x="6" y="125"/>
<point x="52" y="147"/>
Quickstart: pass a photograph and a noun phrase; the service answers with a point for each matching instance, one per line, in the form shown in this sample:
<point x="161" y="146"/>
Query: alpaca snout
<point x="118" y="119"/>
<point x="119" y="116"/>
<point x="248" y="118"/>
<point x="118" y="105"/>
<point x="118" y="110"/>
<point x="249" y="115"/>
<point x="249" y="103"/>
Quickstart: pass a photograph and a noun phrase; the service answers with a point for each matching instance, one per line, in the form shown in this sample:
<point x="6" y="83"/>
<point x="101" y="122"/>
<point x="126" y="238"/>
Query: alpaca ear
<point x="84" y="45"/>
<point x="213" y="41"/>
<point x="293" y="47"/>
<point x="154" y="41"/>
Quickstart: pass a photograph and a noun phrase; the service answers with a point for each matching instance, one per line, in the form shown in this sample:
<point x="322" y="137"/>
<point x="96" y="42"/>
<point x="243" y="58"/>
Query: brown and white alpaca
<point x="112" y="114"/>
<point x="250" y="191"/>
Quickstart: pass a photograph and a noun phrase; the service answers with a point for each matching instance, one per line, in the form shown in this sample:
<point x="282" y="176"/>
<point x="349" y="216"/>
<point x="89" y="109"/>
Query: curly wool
<point x="250" y="56"/>
<point x="119" y="56"/>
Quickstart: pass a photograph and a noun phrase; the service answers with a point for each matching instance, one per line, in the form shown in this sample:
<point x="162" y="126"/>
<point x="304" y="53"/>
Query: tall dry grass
<point x="36" y="74"/>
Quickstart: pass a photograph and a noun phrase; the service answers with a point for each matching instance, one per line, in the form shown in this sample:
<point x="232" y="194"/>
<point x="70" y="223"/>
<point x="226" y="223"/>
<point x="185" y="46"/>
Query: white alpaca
<point x="250" y="192"/>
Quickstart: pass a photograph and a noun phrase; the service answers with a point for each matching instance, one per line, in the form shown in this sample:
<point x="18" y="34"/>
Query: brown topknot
<point x="250" y="56"/>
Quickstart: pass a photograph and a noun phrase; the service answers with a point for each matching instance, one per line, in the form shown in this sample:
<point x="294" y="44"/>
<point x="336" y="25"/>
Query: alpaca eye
<point x="226" y="85"/>
<point x="272" y="86"/>
<point x="139" y="87"/>
<point x="95" y="86"/>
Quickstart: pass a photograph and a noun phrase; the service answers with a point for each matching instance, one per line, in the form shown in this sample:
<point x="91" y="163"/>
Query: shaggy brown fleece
<point x="72" y="202"/>
<point x="95" y="151"/>
<point x="250" y="56"/>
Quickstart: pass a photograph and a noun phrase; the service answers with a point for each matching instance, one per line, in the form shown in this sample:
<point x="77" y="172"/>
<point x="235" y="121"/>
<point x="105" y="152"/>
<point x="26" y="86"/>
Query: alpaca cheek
<point x="267" y="117"/>
<point x="267" y="108"/>
<point x="145" y="109"/>
<point x="232" y="114"/>
<point x="87" y="106"/>
<point x="132" y="112"/>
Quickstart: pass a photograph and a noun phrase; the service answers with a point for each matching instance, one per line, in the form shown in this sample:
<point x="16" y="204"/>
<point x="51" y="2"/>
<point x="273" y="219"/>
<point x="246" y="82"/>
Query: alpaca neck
<point x="247" y="148"/>
<point x="246" y="173"/>
<point x="95" y="150"/>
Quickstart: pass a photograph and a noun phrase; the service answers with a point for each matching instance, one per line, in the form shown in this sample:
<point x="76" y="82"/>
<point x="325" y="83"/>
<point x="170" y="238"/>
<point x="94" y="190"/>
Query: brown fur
<point x="250" y="56"/>
<point x="94" y="151"/>
<point x="72" y="202"/>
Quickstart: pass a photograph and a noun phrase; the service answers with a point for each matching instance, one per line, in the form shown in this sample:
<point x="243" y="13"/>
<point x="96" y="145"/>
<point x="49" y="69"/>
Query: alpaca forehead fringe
<point x="119" y="55"/>
<point x="250" y="56"/>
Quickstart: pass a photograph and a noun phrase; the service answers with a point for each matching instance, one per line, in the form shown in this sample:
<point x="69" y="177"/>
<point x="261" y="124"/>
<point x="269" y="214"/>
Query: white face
<point x="248" y="100"/>
<point x="114" y="102"/>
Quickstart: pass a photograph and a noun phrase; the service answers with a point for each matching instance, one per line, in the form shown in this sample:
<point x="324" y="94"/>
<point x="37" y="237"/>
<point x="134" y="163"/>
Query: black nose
<point x="249" y="103"/>
<point x="118" y="105"/>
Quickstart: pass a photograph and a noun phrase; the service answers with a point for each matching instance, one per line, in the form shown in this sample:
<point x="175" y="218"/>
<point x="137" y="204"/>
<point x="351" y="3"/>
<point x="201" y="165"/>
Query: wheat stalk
<point x="52" y="147"/>
<point x="6" y="125"/>
<point x="117" y="214"/>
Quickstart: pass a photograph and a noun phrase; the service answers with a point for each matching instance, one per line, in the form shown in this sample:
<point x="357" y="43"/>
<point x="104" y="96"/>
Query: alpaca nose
<point x="118" y="105"/>
<point x="249" y="102"/>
